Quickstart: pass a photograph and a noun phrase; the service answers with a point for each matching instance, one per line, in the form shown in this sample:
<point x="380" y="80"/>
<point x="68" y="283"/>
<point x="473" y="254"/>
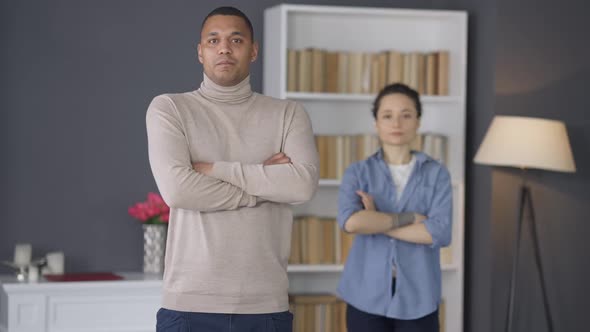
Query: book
<point x="331" y="157"/>
<point x="431" y="74"/>
<point x="295" y="256"/>
<point x="382" y="74"/>
<point x="374" y="80"/>
<point x="395" y="67"/>
<point x="343" y="75"/>
<point x="318" y="66"/>
<point x="367" y="59"/>
<point x="446" y="255"/>
<point x="441" y="315"/>
<point x="314" y="237"/>
<point x="443" y="73"/>
<point x="435" y="145"/>
<point x="332" y="72"/>
<point x="292" y="70"/>
<point x="421" y="73"/>
<point x="328" y="241"/>
<point x="355" y="72"/>
<point x="304" y="69"/>
<point x="86" y="276"/>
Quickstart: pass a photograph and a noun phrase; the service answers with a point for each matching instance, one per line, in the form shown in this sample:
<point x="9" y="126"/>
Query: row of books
<point x="338" y="151"/>
<point x="327" y="313"/>
<point x="433" y="144"/>
<point x="317" y="240"/>
<point x="317" y="313"/>
<point x="319" y="70"/>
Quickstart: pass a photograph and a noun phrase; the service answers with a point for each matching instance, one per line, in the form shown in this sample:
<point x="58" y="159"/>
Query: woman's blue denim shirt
<point x="366" y="281"/>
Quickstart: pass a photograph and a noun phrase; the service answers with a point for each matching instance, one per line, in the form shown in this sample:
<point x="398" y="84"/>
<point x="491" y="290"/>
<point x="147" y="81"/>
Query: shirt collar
<point x="421" y="157"/>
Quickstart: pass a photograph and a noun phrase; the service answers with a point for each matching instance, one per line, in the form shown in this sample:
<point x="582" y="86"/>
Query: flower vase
<point x="154" y="247"/>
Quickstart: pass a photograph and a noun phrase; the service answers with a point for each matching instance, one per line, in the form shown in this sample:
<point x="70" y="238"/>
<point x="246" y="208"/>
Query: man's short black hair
<point x="230" y="11"/>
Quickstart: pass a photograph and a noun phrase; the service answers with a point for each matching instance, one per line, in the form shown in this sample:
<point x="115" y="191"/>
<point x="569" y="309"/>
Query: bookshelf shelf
<point x="348" y="30"/>
<point x="336" y="183"/>
<point x="314" y="268"/>
<point x="306" y="268"/>
<point x="449" y="267"/>
<point x="329" y="183"/>
<point x="363" y="98"/>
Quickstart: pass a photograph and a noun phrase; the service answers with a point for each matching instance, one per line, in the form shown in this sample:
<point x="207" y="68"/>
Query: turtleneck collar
<point x="226" y="94"/>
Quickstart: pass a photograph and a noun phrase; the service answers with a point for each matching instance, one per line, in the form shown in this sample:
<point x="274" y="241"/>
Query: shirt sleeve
<point x="292" y="183"/>
<point x="348" y="201"/>
<point x="180" y="186"/>
<point x="440" y="213"/>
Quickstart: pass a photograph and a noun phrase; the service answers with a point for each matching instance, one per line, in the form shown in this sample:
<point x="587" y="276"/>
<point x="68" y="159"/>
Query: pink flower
<point x="165" y="217"/>
<point x="155" y="199"/>
<point x="152" y="211"/>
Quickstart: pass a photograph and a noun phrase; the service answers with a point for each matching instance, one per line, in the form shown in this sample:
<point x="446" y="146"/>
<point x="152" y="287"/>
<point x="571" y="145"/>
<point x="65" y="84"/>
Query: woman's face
<point x="397" y="120"/>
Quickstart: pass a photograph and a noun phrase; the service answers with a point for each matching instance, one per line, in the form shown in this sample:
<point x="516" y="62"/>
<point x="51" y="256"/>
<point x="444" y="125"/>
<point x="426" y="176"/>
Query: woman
<point x="398" y="202"/>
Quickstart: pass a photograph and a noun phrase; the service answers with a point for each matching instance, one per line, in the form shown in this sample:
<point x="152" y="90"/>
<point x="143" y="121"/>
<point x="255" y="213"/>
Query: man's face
<point x="226" y="49"/>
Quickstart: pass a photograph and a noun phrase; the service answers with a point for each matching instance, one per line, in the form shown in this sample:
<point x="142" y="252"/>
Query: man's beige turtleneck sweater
<point x="230" y="232"/>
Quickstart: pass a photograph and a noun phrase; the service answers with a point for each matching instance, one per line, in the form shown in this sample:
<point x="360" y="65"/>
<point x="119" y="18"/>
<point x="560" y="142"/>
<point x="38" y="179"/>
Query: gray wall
<point x="76" y="79"/>
<point x="480" y="103"/>
<point x="542" y="70"/>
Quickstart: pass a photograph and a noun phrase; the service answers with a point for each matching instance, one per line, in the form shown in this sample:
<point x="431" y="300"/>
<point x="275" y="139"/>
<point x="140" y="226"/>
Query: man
<point x="228" y="162"/>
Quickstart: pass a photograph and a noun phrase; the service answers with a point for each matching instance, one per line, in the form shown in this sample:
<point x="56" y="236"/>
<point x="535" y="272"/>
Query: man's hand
<point x="277" y="159"/>
<point x="203" y="168"/>
<point x="367" y="200"/>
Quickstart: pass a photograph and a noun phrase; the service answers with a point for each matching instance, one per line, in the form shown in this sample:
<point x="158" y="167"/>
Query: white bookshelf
<point x="363" y="29"/>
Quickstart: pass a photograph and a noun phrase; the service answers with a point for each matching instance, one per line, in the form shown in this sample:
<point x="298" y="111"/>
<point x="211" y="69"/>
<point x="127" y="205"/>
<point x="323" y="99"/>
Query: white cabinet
<point x="128" y="305"/>
<point x="364" y="29"/>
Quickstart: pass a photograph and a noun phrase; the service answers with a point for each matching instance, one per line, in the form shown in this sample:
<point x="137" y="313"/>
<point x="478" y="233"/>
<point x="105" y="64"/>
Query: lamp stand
<point x="525" y="197"/>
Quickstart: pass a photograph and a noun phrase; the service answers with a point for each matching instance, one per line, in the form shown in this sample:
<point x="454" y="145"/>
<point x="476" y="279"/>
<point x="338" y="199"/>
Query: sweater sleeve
<point x="180" y="186"/>
<point x="292" y="183"/>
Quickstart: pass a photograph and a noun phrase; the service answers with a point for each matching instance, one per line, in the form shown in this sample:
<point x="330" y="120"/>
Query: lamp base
<point x="525" y="197"/>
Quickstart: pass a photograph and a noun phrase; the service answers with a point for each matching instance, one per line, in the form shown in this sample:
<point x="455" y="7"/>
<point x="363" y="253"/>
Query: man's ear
<point x="199" y="53"/>
<point x="254" y="54"/>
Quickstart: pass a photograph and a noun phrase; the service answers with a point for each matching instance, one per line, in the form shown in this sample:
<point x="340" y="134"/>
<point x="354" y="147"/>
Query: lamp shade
<point x="526" y="143"/>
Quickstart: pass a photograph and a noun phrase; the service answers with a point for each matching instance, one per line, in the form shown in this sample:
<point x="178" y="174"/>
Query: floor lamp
<point x="524" y="142"/>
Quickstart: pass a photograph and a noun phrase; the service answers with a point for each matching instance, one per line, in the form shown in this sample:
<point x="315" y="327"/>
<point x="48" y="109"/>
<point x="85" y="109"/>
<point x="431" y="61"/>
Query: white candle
<point x="56" y="262"/>
<point x="33" y="273"/>
<point x="22" y="254"/>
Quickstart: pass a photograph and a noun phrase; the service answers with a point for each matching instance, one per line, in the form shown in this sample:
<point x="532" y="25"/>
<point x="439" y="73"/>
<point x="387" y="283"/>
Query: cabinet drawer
<point x="102" y="313"/>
